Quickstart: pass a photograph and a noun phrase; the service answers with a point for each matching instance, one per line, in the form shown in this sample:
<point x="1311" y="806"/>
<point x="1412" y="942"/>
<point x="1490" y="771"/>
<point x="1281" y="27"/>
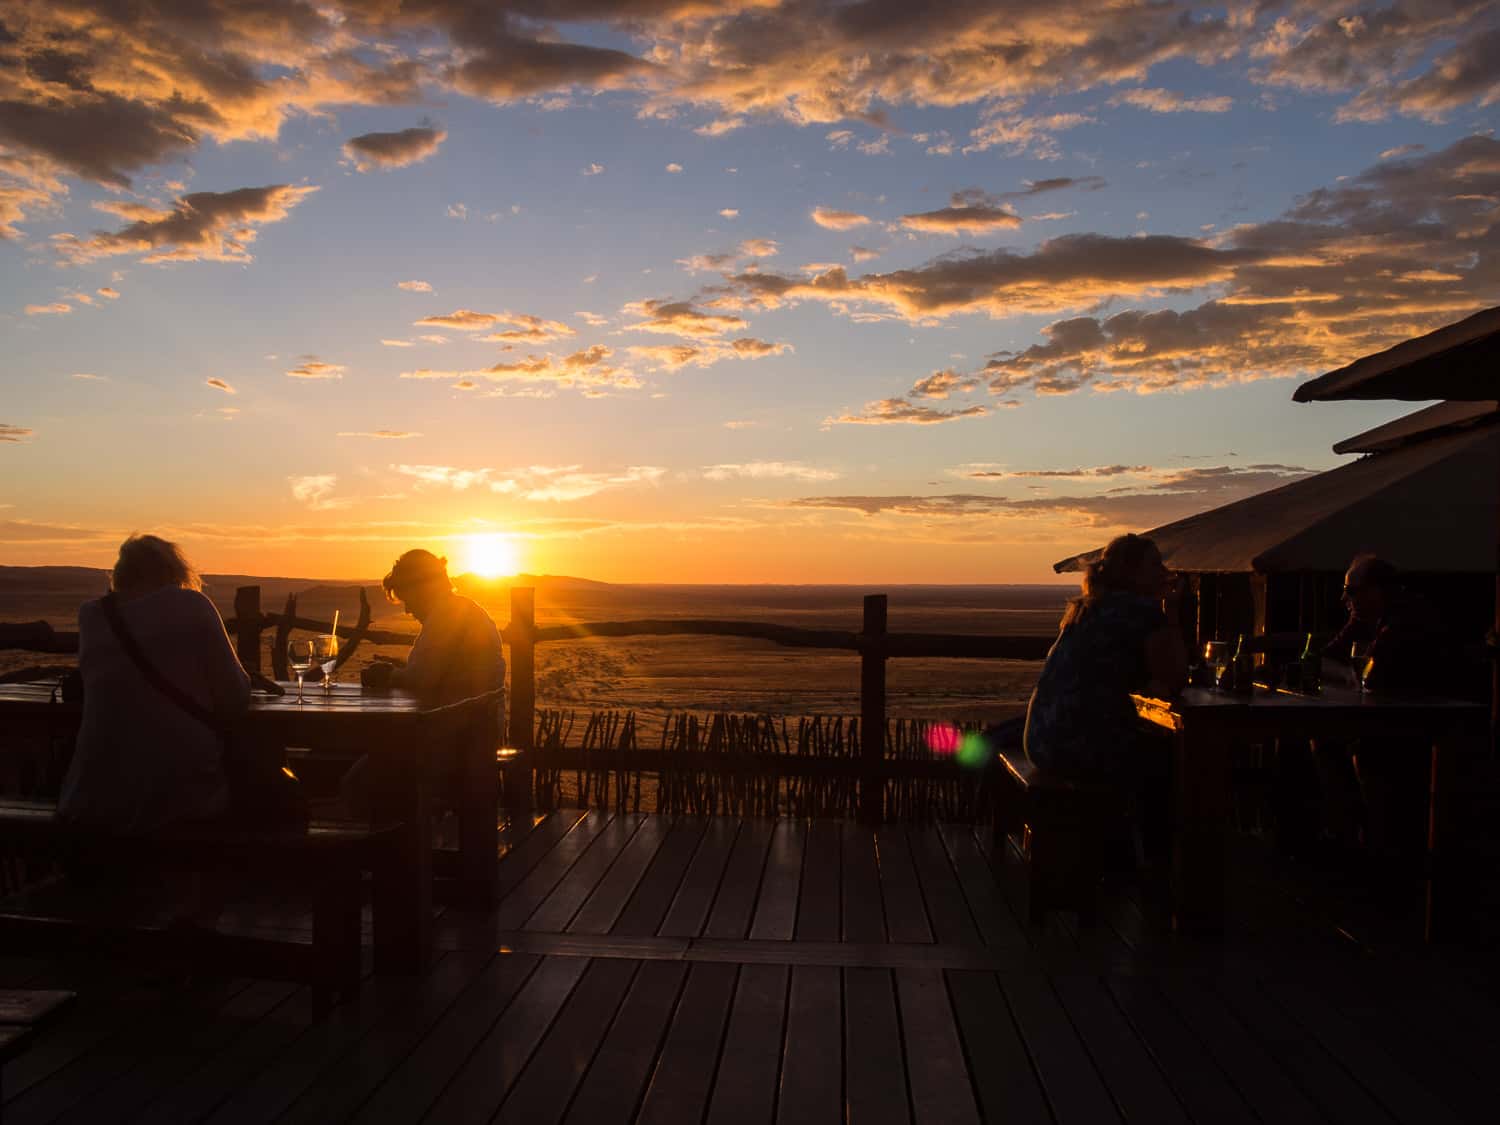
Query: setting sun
<point x="490" y="556"/>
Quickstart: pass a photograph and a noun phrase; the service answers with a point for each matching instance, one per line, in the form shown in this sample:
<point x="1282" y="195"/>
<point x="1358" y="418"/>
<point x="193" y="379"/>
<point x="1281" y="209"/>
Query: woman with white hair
<point x="143" y="760"/>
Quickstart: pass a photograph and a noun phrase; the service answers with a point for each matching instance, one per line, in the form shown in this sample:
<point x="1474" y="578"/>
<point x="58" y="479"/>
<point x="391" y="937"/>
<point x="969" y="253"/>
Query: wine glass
<point x="1359" y="656"/>
<point x="326" y="654"/>
<point x="1216" y="656"/>
<point x="301" y="659"/>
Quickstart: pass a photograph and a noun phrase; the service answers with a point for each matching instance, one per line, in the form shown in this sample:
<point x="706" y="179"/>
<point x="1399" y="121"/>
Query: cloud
<point x="29" y="185"/>
<point x="739" y="424"/>
<point x="705" y="353"/>
<point x="863" y="253"/>
<point x="680" y="318"/>
<point x="56" y="308"/>
<point x="674" y="168"/>
<point x="897" y="411"/>
<point x="108" y="294"/>
<point x="730" y="212"/>
<point x="1165" y="101"/>
<point x="15" y="434"/>
<point x="833" y="219"/>
<point x="25" y="531"/>
<point x="538" y="483"/>
<point x="590" y="369"/>
<point x="520" y="327"/>
<point x="316" y="491"/>
<point x="971" y="210"/>
<point x="459" y="211"/>
<point x="1002" y="126"/>
<point x="204" y="226"/>
<point x="398" y="343"/>
<point x="389" y="435"/>
<point x="313" y="368"/>
<point x="220" y="385"/>
<point x="394" y="150"/>
<point x="1071" y="271"/>
<point x="982" y="473"/>
<point x="769" y="470"/>
<point x="593" y="169"/>
<point x="90" y="377"/>
<point x="760" y="248"/>
<point x="414" y="286"/>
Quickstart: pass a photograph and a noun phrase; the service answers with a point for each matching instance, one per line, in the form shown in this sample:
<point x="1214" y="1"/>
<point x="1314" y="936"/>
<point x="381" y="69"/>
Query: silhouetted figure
<point x="456" y="656"/>
<point x="142" y="761"/>
<point x="1121" y="636"/>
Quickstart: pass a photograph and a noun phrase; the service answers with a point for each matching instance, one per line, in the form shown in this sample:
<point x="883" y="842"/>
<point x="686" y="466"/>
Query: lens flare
<point x="973" y="751"/>
<point x="943" y="738"/>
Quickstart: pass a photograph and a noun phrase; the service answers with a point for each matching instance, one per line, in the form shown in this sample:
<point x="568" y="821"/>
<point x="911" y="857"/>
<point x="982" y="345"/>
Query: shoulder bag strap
<point x="153" y="677"/>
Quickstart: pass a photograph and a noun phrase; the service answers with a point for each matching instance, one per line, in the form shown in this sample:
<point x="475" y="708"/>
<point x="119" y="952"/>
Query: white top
<point x="141" y="760"/>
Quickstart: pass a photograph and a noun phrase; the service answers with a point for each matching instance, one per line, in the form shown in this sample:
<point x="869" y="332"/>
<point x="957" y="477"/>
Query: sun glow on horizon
<point x="491" y="556"/>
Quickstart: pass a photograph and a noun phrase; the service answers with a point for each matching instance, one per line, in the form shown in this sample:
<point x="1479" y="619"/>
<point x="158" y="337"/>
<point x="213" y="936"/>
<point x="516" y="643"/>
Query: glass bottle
<point x="1244" y="668"/>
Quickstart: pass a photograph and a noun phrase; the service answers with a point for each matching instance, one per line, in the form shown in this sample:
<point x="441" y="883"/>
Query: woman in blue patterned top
<point x="1121" y="636"/>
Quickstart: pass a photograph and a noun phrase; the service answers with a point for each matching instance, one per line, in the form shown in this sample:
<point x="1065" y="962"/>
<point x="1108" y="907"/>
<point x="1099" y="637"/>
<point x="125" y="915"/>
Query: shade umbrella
<point x="1424" y="506"/>
<point x="1460" y="363"/>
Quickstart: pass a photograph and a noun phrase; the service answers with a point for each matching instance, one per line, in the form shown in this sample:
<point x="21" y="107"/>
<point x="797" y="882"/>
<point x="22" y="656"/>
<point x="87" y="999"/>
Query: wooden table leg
<point x="479" y="816"/>
<point x="1437" y="922"/>
<point x="402" y="889"/>
<point x="1200" y="830"/>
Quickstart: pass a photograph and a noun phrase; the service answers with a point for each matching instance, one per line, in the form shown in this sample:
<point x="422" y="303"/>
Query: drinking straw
<point x="335" y="629"/>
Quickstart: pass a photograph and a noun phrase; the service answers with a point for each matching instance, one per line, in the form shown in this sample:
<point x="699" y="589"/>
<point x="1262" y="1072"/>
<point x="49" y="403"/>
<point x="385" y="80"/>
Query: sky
<point x="710" y="290"/>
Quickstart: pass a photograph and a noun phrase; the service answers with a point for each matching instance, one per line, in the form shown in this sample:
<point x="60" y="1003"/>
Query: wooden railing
<point x="874" y="643"/>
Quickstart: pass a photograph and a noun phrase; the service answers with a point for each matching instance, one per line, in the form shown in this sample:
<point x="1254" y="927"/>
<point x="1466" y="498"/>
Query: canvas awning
<point x="1420" y="426"/>
<point x="1461" y="361"/>
<point x="1429" y="507"/>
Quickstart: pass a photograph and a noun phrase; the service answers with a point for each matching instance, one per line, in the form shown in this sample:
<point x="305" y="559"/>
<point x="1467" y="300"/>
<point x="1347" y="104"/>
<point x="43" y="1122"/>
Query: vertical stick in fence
<point x="872" y="709"/>
<point x="247" y="626"/>
<point x="521" y="633"/>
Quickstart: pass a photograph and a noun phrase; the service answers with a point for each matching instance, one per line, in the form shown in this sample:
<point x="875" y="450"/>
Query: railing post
<point x="248" y="626"/>
<point x="872" y="710"/>
<point x="521" y="633"/>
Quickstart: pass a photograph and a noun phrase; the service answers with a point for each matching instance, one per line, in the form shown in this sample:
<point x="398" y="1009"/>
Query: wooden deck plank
<point x="412" y="1087"/>
<point x="818" y="898"/>
<point x="612" y="1088"/>
<point x="941" y="1092"/>
<point x="486" y="1076"/>
<point x="1388" y="1079"/>
<point x="544" y="1089"/>
<point x="1320" y="1075"/>
<point x="192" y="1097"/>
<point x="905" y="913"/>
<point x="1004" y="1079"/>
<point x="532" y="848"/>
<point x="159" y="1027"/>
<point x="272" y="1091"/>
<point x="812" y="1059"/>
<point x="863" y="910"/>
<point x="776" y="907"/>
<point x="648" y="907"/>
<point x="684" y="1074"/>
<point x="604" y="906"/>
<point x="739" y="888"/>
<point x="163" y="1067"/>
<point x="947" y="909"/>
<point x="745" y="1090"/>
<point x="1128" y="1068"/>
<point x="559" y="907"/>
<point x="689" y="912"/>
<point x="548" y="872"/>
<point x="1204" y="1090"/>
<point x="874" y="1067"/>
<point x="1258" y="1078"/>
<point x="999" y="927"/>
<point x="1073" y="1088"/>
<point x="342" y="1089"/>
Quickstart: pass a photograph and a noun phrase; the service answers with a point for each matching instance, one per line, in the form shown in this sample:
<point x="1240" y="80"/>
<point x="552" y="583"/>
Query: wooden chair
<point x="1060" y="830"/>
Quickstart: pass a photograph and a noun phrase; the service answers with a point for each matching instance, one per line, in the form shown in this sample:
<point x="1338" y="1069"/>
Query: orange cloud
<point x="394" y="150"/>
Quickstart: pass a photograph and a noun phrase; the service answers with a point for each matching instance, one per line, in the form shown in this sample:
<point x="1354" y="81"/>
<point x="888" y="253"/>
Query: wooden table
<point x="397" y="735"/>
<point x="1206" y="723"/>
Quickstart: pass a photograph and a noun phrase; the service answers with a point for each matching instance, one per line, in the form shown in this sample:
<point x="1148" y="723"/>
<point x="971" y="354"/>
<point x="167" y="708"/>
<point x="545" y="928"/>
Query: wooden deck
<point x="640" y="968"/>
